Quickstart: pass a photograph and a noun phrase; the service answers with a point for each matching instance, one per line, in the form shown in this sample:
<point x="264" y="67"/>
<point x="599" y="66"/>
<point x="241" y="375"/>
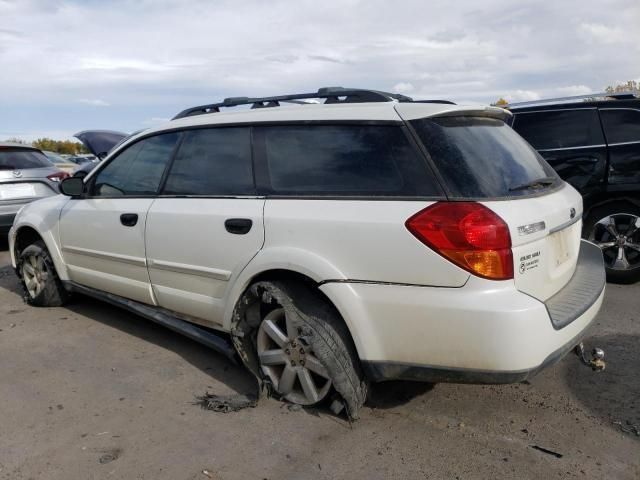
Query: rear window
<point x="22" y="159"/>
<point x="560" y="129"/>
<point x="483" y="157"/>
<point x="345" y="160"/>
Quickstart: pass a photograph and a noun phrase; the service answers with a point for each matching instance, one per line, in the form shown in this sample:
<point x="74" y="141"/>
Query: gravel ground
<point x="92" y="392"/>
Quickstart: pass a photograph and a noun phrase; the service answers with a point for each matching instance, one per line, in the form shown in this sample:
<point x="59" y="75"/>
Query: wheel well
<point x="284" y="275"/>
<point x="598" y="201"/>
<point x="25" y="237"/>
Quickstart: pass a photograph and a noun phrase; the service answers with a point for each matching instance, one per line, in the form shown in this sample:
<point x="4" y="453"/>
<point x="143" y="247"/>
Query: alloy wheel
<point x="618" y="235"/>
<point x="34" y="274"/>
<point x="291" y="364"/>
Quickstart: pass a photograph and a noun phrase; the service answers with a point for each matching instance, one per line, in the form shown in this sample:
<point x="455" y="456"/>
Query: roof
<point x="17" y="145"/>
<point x="378" y="111"/>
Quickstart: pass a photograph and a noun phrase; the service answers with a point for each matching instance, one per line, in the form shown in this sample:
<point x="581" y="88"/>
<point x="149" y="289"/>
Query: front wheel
<point x="42" y="287"/>
<point x="615" y="228"/>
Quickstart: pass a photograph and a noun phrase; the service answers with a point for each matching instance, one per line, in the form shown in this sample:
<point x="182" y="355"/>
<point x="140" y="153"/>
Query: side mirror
<point x="72" y="186"/>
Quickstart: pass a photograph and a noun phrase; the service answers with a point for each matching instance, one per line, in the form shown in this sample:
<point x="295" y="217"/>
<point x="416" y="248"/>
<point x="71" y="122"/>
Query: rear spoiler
<point x="490" y="112"/>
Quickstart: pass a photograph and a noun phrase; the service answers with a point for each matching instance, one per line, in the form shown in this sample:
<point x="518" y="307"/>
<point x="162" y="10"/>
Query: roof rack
<point x="330" y="94"/>
<point x="601" y="95"/>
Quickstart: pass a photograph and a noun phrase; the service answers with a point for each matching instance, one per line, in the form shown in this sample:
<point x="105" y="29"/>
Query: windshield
<point x="22" y="159"/>
<point x="482" y="157"/>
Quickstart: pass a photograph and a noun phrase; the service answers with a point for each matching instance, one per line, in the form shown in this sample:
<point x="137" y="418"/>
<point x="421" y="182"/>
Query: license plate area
<point x="16" y="190"/>
<point x="561" y="245"/>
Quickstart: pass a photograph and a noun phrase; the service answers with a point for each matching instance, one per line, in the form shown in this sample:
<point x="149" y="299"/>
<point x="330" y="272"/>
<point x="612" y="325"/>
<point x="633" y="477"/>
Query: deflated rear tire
<point x="42" y="287"/>
<point x="304" y="348"/>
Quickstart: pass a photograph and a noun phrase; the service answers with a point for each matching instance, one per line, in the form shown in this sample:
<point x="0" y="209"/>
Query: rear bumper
<point x="484" y="332"/>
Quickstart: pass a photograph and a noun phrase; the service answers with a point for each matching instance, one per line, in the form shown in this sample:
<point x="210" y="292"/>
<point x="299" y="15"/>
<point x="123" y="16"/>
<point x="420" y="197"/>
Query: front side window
<point x="212" y="161"/>
<point x="138" y="169"/>
<point x="621" y="125"/>
<point x="560" y="129"/>
<point x="483" y="157"/>
<point x="345" y="160"/>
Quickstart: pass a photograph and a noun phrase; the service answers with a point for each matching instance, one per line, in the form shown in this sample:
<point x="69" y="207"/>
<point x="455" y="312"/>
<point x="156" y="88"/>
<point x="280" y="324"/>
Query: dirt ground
<point x="92" y="392"/>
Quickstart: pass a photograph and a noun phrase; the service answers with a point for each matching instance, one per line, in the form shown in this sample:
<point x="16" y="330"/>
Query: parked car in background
<point x="593" y="142"/>
<point x="368" y="238"/>
<point x="60" y="162"/>
<point x="26" y="174"/>
<point x="82" y="159"/>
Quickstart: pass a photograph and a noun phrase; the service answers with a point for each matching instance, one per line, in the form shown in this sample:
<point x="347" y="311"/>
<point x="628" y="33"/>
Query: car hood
<point x="99" y="142"/>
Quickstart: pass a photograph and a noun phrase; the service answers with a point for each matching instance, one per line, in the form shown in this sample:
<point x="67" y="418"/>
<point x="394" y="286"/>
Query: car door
<point x="622" y="129"/>
<point x="571" y="141"/>
<point x="206" y="225"/>
<point x="102" y="233"/>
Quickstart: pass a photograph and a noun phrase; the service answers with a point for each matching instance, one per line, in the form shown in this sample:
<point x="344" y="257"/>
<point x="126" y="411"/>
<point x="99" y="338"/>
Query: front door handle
<point x="129" y="219"/>
<point x="238" y="226"/>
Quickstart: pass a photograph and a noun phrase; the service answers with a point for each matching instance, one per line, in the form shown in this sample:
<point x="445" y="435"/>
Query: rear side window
<point x="22" y="159"/>
<point x="483" y="157"/>
<point x="560" y="129"/>
<point x="138" y="169"/>
<point x="215" y="161"/>
<point x="621" y="125"/>
<point x="345" y="160"/>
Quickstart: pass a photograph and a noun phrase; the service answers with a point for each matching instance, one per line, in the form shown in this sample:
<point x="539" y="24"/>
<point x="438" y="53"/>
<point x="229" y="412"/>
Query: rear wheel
<point x="290" y="362"/>
<point x="42" y="287"/>
<point x="304" y="347"/>
<point x="615" y="228"/>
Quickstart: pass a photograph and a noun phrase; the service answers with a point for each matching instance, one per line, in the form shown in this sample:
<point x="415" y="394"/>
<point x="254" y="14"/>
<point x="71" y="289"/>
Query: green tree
<point x="60" y="146"/>
<point x="501" y="102"/>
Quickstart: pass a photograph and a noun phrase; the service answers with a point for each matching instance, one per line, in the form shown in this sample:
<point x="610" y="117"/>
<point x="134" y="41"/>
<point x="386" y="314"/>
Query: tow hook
<point x="596" y="363"/>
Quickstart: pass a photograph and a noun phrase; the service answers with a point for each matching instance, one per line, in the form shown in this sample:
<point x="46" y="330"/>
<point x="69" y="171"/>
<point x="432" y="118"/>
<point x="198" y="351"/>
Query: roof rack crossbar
<point x="616" y="96"/>
<point x="330" y="94"/>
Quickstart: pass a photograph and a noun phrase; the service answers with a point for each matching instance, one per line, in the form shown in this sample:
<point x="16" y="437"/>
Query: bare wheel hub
<point x="292" y="366"/>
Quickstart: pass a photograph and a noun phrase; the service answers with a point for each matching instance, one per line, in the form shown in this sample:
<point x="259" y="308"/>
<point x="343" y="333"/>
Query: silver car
<point x="25" y="175"/>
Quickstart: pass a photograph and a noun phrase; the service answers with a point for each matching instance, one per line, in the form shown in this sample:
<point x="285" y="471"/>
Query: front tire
<point x="42" y="287"/>
<point x="615" y="228"/>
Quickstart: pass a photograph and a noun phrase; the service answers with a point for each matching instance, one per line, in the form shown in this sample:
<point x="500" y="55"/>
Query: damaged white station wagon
<point x="328" y="245"/>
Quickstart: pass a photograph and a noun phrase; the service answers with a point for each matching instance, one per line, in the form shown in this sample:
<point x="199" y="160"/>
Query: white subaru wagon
<point x="360" y="238"/>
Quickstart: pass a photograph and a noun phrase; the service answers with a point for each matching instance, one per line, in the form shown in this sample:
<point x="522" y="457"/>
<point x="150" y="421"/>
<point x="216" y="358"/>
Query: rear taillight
<point x="467" y="233"/>
<point x="58" y="176"/>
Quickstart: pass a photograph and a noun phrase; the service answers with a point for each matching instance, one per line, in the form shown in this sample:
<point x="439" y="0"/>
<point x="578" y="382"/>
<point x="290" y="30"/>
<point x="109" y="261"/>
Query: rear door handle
<point x="129" y="219"/>
<point x="238" y="226"/>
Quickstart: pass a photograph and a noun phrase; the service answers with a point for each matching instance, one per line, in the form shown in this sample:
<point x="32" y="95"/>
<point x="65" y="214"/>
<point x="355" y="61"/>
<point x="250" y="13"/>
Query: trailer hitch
<point x="597" y="363"/>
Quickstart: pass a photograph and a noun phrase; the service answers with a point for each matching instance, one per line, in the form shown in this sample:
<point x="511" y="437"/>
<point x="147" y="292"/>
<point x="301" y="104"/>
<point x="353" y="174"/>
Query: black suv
<point x="594" y="144"/>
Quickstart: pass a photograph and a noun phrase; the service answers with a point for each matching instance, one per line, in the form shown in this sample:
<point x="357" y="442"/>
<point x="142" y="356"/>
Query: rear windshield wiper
<point x="537" y="183"/>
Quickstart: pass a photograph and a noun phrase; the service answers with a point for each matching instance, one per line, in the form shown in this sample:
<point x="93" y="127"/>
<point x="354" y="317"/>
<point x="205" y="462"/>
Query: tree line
<point x="59" y="146"/>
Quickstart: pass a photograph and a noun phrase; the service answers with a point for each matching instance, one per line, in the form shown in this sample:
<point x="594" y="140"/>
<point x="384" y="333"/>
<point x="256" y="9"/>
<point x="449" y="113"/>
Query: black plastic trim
<point x="163" y="317"/>
<point x="582" y="291"/>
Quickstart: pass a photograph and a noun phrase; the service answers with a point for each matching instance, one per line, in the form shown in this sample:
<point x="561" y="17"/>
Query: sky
<point x="73" y="65"/>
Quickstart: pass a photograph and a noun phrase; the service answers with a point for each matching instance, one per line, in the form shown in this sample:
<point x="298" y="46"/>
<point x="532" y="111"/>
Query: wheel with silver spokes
<point x="34" y="274"/>
<point x="42" y="287"/>
<point x="616" y="230"/>
<point x="290" y="363"/>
